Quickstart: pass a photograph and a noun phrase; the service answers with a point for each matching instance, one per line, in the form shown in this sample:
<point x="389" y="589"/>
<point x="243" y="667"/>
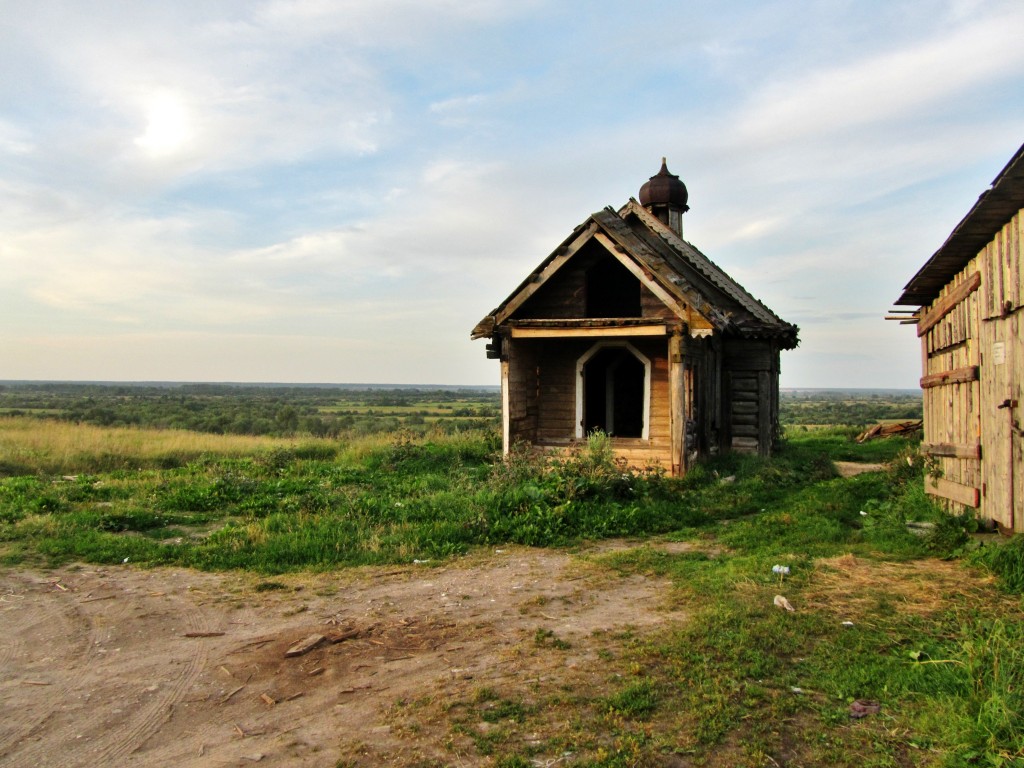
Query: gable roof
<point x="995" y="207"/>
<point x="671" y="267"/>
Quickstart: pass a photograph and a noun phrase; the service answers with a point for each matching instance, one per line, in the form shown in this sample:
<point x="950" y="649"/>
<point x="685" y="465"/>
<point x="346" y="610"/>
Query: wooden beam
<point x="545" y="274"/>
<point x="589" y="331"/>
<point x="947" y="489"/>
<point x="955" y="376"/>
<point x="947" y="303"/>
<point x="949" y="449"/>
<point x="655" y="287"/>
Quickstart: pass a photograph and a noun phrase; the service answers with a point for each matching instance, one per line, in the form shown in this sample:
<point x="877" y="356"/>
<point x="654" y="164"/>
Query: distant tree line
<point x="336" y="411"/>
<point x="854" y="408"/>
<point x="255" y="410"/>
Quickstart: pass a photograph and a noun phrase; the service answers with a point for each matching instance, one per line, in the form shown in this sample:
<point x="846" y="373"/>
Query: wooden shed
<point x="970" y="294"/>
<point x="628" y="329"/>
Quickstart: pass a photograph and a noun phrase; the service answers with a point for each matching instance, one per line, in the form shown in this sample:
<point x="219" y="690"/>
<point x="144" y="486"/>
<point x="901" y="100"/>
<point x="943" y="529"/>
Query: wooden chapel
<point x="627" y="328"/>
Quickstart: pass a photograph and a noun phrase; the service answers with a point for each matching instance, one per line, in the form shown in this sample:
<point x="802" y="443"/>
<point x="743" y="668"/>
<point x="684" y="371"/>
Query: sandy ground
<point x="851" y="468"/>
<point x="119" y="666"/>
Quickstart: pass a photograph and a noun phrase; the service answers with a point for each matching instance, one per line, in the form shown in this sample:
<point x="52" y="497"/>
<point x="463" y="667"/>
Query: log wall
<point x="750" y="404"/>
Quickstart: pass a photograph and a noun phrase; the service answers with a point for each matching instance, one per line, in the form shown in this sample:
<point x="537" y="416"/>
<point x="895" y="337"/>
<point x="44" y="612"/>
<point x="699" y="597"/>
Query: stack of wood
<point x="904" y="428"/>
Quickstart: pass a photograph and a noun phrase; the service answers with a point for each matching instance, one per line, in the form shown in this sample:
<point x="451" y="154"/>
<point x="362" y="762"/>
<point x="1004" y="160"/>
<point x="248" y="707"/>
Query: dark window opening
<point x="612" y="290"/>
<point x="613" y="393"/>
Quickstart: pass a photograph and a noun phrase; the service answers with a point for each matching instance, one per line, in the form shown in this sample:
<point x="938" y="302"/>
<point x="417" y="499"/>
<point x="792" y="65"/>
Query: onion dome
<point x="664" y="189"/>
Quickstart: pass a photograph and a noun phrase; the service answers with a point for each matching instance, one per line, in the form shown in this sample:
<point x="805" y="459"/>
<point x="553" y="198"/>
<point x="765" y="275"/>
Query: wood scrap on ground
<point x="338" y="637"/>
<point x="904" y="428"/>
<point x="304" y="646"/>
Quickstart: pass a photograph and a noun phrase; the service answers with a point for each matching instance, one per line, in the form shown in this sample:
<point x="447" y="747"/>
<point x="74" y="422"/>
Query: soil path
<point x="115" y="666"/>
<point x="851" y="468"/>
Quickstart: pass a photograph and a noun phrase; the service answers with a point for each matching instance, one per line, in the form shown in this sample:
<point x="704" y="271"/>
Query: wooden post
<point x="677" y="402"/>
<point x="506" y="417"/>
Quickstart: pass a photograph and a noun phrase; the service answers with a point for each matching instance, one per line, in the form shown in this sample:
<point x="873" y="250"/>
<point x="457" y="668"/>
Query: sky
<point x="339" y="190"/>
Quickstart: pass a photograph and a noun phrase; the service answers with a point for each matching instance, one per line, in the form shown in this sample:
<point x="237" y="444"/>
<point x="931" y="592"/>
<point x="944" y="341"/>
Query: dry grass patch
<point x="62" y="447"/>
<point x="856" y="587"/>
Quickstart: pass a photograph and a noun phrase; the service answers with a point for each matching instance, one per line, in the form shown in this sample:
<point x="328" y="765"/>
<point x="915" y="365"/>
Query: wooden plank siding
<point x="554" y="381"/>
<point x="951" y="386"/>
<point x="522" y="393"/>
<point x="973" y="354"/>
<point x="557" y="388"/>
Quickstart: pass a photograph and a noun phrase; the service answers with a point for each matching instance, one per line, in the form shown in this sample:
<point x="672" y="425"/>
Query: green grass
<point x="740" y="682"/>
<point x="285" y="506"/>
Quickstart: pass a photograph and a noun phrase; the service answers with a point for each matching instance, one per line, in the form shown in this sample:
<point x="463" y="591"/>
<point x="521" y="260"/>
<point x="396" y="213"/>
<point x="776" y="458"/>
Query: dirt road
<point x="118" y="666"/>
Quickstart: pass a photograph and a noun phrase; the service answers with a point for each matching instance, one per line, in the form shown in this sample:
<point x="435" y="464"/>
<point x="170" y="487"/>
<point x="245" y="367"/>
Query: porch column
<point x="506" y="416"/>
<point x="677" y="400"/>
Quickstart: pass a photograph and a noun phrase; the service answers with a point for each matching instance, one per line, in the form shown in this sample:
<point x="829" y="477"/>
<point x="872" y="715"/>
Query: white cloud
<point x="339" y="177"/>
<point x="13" y="140"/>
<point x="902" y="83"/>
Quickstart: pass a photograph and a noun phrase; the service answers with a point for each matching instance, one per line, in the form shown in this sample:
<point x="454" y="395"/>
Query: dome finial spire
<point x="665" y="196"/>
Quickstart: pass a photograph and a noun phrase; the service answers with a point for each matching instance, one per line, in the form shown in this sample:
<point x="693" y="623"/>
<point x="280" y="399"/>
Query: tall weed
<point x="1005" y="560"/>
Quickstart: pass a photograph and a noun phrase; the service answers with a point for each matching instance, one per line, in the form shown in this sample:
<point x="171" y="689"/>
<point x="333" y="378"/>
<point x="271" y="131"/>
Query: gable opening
<point x="611" y="290"/>
<point x="613" y="391"/>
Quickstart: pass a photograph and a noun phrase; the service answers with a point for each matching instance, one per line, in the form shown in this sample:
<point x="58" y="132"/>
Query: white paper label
<point x="998" y="353"/>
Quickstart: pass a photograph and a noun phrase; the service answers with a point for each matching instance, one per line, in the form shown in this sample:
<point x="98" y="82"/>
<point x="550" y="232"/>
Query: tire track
<point x="160" y="710"/>
<point x="27" y="659"/>
<point x="81" y="723"/>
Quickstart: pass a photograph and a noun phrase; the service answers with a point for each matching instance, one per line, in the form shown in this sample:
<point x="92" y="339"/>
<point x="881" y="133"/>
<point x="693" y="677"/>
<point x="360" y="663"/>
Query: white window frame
<point x="580" y="394"/>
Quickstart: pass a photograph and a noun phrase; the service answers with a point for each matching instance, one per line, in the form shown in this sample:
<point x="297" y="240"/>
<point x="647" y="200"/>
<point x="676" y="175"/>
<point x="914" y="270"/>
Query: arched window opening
<point x="613" y="391"/>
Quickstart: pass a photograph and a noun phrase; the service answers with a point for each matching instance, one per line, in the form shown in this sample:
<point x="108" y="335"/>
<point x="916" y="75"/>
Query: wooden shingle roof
<point x="995" y="207"/>
<point x="669" y="264"/>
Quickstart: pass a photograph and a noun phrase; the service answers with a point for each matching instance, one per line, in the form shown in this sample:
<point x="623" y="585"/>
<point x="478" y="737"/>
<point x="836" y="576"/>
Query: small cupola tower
<point x="665" y="196"/>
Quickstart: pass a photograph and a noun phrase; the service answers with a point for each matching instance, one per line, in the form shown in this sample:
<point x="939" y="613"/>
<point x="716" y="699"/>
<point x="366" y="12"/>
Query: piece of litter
<point x="781" y="602"/>
<point x="421" y="562"/>
<point x="782" y="570"/>
<point x="864" y="707"/>
<point x="863" y="513"/>
<point x="847" y="623"/>
<point x="794" y="689"/>
<point x="124" y="561"/>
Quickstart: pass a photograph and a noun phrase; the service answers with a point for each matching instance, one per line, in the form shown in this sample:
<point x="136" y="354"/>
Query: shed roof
<point x="994" y="208"/>
<point x="668" y="262"/>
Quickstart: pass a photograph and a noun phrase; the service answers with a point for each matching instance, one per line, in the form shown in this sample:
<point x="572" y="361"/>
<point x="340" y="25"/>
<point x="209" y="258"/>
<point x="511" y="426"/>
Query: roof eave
<point x="994" y="208"/>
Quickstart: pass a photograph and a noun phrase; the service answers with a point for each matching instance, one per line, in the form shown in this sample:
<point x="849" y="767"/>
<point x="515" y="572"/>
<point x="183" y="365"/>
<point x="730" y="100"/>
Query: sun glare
<point x="167" y="127"/>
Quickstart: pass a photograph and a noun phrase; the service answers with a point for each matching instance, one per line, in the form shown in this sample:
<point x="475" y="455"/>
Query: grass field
<point x="928" y="634"/>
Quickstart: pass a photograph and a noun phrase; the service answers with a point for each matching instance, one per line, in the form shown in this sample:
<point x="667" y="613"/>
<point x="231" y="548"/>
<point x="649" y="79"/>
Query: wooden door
<point x="1015" y="419"/>
<point x="1002" y="422"/>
